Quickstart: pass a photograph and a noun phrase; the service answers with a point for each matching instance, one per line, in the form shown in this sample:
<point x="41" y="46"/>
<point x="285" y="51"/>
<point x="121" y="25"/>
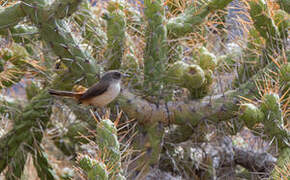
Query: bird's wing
<point x="95" y="90"/>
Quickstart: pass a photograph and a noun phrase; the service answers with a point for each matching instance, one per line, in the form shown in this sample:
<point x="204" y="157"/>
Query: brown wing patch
<point x="95" y="90"/>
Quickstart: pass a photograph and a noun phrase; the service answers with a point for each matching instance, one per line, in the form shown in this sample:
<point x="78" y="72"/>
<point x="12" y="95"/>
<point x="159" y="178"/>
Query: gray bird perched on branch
<point x="100" y="94"/>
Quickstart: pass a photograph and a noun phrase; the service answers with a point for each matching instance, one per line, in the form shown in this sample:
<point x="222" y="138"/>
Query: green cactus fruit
<point x="207" y="60"/>
<point x="250" y="114"/>
<point x="185" y="75"/>
<point x="193" y="77"/>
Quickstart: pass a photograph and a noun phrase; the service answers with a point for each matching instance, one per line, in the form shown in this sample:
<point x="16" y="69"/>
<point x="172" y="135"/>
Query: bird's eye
<point x="117" y="75"/>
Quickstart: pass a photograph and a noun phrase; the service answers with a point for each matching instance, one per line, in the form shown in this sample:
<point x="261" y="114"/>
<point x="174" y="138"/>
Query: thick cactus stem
<point x="116" y="33"/>
<point x="250" y="114"/>
<point x="155" y="54"/>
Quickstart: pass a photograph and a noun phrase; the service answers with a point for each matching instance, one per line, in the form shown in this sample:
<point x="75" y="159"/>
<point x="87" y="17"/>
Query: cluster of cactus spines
<point x="155" y="54"/>
<point x="91" y="27"/>
<point x="27" y="132"/>
<point x="282" y="20"/>
<point x="116" y="33"/>
<point x="94" y="169"/>
<point x="270" y="114"/>
<point x="264" y="23"/>
<point x="274" y="122"/>
<point x="108" y="144"/>
<point x="108" y="163"/>
<point x="18" y="56"/>
<point x="265" y="40"/>
<point x="185" y="22"/>
<point x="285" y="78"/>
<point x="281" y="170"/>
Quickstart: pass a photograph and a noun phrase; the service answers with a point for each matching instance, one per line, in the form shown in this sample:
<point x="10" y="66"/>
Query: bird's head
<point x="112" y="75"/>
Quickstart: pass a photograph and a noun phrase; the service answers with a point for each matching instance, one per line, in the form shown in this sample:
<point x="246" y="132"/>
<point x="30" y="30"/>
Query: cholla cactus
<point x="107" y="164"/>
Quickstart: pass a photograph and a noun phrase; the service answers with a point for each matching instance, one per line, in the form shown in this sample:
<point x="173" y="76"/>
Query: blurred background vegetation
<point x="207" y="95"/>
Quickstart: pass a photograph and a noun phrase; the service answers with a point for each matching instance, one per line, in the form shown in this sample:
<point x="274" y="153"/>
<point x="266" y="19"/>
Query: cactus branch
<point x="215" y="108"/>
<point x="12" y="15"/>
<point x="155" y="54"/>
<point x="116" y="30"/>
<point x="28" y="128"/>
<point x="187" y="21"/>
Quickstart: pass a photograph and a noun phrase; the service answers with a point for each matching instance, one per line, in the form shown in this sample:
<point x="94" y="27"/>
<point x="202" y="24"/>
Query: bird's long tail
<point x="75" y="95"/>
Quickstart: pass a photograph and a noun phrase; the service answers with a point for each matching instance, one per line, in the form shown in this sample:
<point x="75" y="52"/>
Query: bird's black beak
<point x="125" y="75"/>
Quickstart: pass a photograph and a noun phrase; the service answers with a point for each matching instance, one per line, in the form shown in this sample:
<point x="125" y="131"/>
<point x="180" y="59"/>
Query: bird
<point x="98" y="95"/>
